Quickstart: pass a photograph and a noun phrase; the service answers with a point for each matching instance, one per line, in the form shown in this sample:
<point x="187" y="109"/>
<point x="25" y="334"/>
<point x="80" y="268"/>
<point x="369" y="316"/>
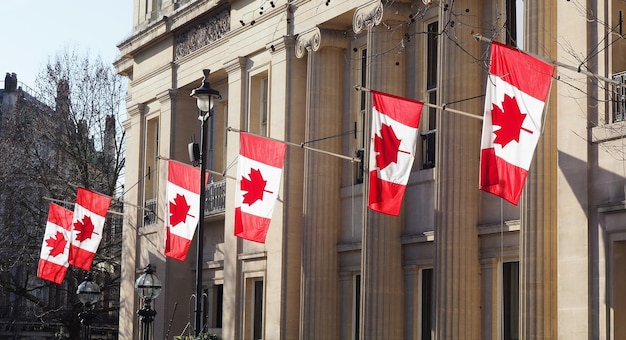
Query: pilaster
<point x="231" y="323"/>
<point x="284" y="253"/>
<point x="133" y="220"/>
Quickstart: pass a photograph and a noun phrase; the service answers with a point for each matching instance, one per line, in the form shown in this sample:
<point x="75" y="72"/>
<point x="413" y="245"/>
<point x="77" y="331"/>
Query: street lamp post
<point x="205" y="97"/>
<point x="88" y="293"/>
<point x="148" y="287"/>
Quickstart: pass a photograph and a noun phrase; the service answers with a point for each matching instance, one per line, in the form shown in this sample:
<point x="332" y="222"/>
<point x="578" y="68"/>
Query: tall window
<point x="430" y="125"/>
<point x="514" y="24"/>
<point x="357" y="307"/>
<point x="510" y="300"/>
<point x="152" y="152"/>
<point x="150" y="180"/>
<point x="213" y="306"/>
<point x="426" y="304"/>
<point x="257" y="327"/>
<point x="259" y="105"/>
<point x="359" y="122"/>
<point x="263" y="108"/>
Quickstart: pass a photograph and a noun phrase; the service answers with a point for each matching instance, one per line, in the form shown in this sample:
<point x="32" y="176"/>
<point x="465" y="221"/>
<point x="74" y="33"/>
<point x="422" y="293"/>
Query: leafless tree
<point x="66" y="133"/>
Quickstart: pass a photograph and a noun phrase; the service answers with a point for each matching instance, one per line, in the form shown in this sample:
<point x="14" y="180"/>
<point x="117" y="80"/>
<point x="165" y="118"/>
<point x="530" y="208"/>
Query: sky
<point x="33" y="31"/>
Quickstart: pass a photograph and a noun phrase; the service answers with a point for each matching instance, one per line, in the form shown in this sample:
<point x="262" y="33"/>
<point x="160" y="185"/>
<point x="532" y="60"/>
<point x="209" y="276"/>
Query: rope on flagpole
<point x="442" y="107"/>
<point x="301" y="145"/>
<point x="480" y="37"/>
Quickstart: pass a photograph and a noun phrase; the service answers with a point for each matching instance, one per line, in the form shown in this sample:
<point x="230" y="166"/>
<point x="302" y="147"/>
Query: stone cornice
<point x="281" y="44"/>
<point x="135" y="110"/>
<point x="167" y="95"/>
<point x="235" y="65"/>
<point x="150" y="75"/>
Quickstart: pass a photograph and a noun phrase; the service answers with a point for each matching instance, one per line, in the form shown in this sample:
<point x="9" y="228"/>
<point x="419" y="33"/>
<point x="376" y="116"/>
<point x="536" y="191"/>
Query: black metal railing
<point x="215" y="202"/>
<point x="428" y="149"/>
<point x="150" y="212"/>
<point x="215" y="198"/>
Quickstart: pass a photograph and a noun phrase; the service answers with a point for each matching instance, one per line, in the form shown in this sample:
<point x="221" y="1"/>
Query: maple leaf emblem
<point x="84" y="229"/>
<point x="179" y="210"/>
<point x="254" y="187"/>
<point x="510" y="121"/>
<point x="57" y="243"/>
<point x="387" y="146"/>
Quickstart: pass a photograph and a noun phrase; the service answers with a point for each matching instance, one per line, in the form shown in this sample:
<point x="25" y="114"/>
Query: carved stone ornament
<point x="308" y="40"/>
<point x="202" y="34"/>
<point x="367" y="16"/>
<point x="311" y="40"/>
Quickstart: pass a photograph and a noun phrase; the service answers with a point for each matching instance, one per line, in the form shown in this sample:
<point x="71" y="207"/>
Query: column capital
<point x="311" y="40"/>
<point x="367" y="16"/>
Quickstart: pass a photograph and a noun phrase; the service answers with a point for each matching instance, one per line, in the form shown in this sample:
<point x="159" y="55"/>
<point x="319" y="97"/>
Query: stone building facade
<point x="457" y="263"/>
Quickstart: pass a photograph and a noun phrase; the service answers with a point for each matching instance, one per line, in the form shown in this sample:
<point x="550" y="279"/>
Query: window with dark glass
<point x="511" y="23"/>
<point x="426" y="304"/>
<point x="219" y="305"/>
<point x="510" y="300"/>
<point x="257" y="328"/>
<point x="359" y="124"/>
<point x="357" y="306"/>
<point x="428" y="133"/>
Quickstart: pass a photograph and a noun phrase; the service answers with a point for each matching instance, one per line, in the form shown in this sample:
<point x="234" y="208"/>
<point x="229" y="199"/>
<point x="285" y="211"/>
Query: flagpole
<point x="480" y="37"/>
<point x="442" y="108"/>
<point x="72" y="203"/>
<point x="223" y="174"/>
<point x="301" y="145"/>
<point x="111" y="197"/>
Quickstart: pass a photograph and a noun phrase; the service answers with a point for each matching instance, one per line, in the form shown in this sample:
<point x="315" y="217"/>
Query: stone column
<point x="382" y="279"/>
<point x="233" y="298"/>
<point x="457" y="267"/>
<point x="538" y="270"/>
<point x="322" y="181"/>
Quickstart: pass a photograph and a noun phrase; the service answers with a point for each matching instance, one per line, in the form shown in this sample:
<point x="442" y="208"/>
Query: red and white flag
<point x="87" y="224"/>
<point x="392" y="150"/>
<point x="517" y="89"/>
<point x="259" y="173"/>
<point x="55" y="250"/>
<point x="183" y="208"/>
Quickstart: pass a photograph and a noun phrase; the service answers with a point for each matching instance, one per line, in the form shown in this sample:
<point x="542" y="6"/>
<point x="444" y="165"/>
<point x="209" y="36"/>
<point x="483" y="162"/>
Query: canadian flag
<point x="55" y="250"/>
<point x="517" y="89"/>
<point x="392" y="150"/>
<point x="183" y="208"/>
<point x="88" y="222"/>
<point x="259" y="173"/>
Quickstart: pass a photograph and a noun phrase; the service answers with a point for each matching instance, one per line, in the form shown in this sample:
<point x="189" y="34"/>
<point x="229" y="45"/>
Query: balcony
<point x="215" y="203"/>
<point x="215" y="198"/>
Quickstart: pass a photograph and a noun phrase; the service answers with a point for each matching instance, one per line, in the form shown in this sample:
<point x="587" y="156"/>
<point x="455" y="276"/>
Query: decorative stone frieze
<point x="202" y="34"/>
